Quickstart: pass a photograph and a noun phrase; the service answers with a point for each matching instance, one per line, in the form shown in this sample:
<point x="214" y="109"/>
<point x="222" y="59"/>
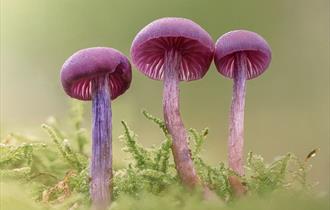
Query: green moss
<point x="56" y="175"/>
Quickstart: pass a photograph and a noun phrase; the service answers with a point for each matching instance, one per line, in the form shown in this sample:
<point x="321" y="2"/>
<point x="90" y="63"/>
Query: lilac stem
<point x="174" y="124"/>
<point x="236" y="129"/>
<point x="101" y="166"/>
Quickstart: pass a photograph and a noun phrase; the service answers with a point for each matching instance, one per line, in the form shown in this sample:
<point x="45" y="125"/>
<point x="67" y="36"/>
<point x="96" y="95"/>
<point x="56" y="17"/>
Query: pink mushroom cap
<point x="82" y="67"/>
<point x="194" y="44"/>
<point x="253" y="45"/>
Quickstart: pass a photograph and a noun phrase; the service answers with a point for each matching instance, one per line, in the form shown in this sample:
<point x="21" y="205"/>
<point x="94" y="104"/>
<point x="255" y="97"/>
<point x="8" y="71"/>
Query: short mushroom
<point x="174" y="50"/>
<point x="99" y="74"/>
<point x="240" y="55"/>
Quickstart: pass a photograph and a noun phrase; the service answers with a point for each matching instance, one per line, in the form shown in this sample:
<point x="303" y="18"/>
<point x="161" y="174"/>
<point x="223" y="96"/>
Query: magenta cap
<point x="192" y="41"/>
<point x="82" y="67"/>
<point x="256" y="48"/>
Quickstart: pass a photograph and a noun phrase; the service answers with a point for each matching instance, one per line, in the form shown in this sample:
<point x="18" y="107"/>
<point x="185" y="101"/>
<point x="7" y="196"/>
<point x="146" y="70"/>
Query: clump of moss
<point x="57" y="173"/>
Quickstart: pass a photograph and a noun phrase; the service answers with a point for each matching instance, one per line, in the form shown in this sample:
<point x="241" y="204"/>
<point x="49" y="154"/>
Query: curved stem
<point x="174" y="124"/>
<point x="101" y="165"/>
<point x="236" y="129"/>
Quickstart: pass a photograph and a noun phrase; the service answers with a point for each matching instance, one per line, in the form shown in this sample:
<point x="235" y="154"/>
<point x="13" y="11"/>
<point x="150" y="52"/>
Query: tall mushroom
<point x="99" y="74"/>
<point x="173" y="50"/>
<point x="240" y="55"/>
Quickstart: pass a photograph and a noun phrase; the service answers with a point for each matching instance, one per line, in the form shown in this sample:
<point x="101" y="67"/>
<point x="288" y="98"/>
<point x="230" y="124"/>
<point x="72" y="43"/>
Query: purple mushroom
<point x="174" y="50"/>
<point x="240" y="55"/>
<point x="99" y="74"/>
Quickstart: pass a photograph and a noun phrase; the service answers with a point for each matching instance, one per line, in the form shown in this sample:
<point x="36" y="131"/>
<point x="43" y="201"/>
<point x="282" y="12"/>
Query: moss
<point x="56" y="174"/>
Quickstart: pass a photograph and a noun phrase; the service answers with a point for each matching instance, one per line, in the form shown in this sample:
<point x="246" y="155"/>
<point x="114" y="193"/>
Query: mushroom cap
<point x="82" y="67"/>
<point x="194" y="44"/>
<point x="253" y="45"/>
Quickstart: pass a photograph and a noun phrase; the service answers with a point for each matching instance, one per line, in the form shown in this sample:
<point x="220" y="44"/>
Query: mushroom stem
<point x="101" y="166"/>
<point x="174" y="124"/>
<point x="236" y="129"/>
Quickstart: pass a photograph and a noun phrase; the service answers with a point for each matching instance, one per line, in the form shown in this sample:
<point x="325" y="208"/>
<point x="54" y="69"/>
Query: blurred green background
<point x="287" y="108"/>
